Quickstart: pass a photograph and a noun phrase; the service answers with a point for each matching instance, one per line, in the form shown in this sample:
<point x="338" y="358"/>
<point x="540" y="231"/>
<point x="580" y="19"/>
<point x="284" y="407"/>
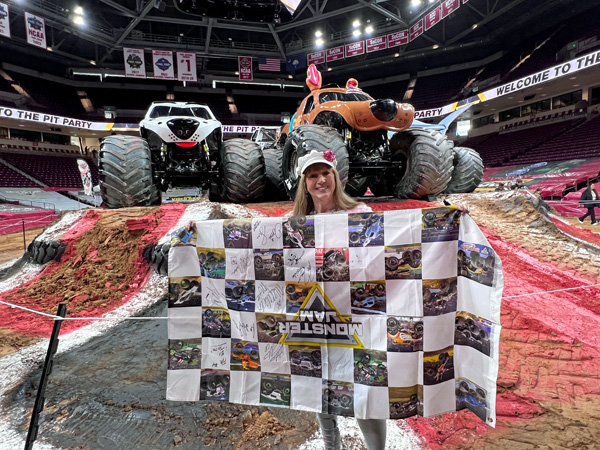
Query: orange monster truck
<point x="416" y="161"/>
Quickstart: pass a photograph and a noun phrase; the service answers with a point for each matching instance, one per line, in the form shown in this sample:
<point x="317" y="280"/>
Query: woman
<point x="589" y="199"/>
<point x="320" y="191"/>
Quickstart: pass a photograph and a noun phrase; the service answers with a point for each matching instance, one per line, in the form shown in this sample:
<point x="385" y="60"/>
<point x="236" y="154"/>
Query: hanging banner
<point x="376" y="44"/>
<point x="135" y="67"/>
<point x="335" y="53"/>
<point x="245" y="68"/>
<point x="4" y="20"/>
<point x="186" y="66"/>
<point x="36" y="30"/>
<point x="162" y="62"/>
<point x="316" y="58"/>
<point x="354" y="49"/>
<point x="380" y="315"/>
<point x="449" y="6"/>
<point x="397" y="38"/>
<point x="433" y="18"/>
<point x="416" y="30"/>
<point x="86" y="176"/>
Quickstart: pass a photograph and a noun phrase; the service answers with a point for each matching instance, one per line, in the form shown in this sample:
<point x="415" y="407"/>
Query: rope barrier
<point x="20" y="222"/>
<point x="55" y="317"/>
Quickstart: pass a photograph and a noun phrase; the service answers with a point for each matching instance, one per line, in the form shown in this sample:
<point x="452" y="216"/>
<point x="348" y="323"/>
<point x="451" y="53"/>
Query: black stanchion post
<point x="24" y="243"/>
<point x="46" y="371"/>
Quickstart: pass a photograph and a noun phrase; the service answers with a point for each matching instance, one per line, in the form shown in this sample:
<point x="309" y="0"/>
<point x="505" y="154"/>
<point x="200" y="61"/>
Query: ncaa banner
<point x="373" y="315"/>
<point x="4" y="20"/>
<point x="245" y="68"/>
<point x="36" y="30"/>
<point x="162" y="62"/>
<point x="186" y="66"/>
<point x="135" y="67"/>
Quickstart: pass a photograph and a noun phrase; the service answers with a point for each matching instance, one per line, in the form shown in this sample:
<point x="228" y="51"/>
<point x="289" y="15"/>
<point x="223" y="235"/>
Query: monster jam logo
<point x="134" y="61"/>
<point x="319" y="323"/>
<point x="163" y="64"/>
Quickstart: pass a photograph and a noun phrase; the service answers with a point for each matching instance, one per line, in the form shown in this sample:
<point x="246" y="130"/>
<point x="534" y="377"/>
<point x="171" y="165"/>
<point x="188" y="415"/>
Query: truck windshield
<point x="343" y="97"/>
<point x="166" y="111"/>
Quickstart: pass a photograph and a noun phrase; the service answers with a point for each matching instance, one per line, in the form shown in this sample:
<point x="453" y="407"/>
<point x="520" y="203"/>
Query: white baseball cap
<point x="316" y="157"/>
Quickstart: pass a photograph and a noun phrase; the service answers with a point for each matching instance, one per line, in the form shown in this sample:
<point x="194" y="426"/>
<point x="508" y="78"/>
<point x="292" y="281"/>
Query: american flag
<point x="269" y="64"/>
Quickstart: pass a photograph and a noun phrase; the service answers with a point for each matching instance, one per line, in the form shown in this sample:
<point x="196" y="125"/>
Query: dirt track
<point x="549" y="377"/>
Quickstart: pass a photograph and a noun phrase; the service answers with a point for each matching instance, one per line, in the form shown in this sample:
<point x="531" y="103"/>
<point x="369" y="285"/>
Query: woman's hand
<point x="463" y="209"/>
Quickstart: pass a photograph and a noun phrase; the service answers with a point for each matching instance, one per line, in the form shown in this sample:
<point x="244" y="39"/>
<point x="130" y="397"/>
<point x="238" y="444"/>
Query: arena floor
<point x="108" y="384"/>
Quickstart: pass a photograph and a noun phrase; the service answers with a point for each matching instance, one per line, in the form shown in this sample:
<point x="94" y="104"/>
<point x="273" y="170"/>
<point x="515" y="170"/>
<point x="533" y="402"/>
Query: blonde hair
<point x="303" y="202"/>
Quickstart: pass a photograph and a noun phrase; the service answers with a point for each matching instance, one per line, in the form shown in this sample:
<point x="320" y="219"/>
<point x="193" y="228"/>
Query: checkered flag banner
<point x="381" y="315"/>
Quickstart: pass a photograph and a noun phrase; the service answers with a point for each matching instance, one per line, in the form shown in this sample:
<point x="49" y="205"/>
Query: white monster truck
<point x="181" y="145"/>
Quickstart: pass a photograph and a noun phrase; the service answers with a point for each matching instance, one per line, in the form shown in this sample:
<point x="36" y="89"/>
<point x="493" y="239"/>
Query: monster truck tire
<point x="425" y="163"/>
<point x="304" y="139"/>
<point x="125" y="169"/>
<point x="356" y="187"/>
<point x="467" y="173"/>
<point x="42" y="252"/>
<point x="243" y="168"/>
<point x="158" y="257"/>
<point x="275" y="190"/>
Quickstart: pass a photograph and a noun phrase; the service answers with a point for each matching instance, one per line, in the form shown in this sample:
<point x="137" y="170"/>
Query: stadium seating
<point x="582" y="140"/>
<point x="501" y="148"/>
<point x="10" y="178"/>
<point x="53" y="170"/>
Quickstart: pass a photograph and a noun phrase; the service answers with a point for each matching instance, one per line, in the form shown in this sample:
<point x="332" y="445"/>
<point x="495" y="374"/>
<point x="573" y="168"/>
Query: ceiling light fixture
<point x="318" y="33"/>
<point x="329" y="69"/>
<point x="78" y="20"/>
<point x="435" y="46"/>
<point x="78" y="10"/>
<point x="319" y="42"/>
<point x="474" y="26"/>
<point x="416" y="2"/>
<point x="356" y="24"/>
<point x="369" y="29"/>
<point x="356" y="33"/>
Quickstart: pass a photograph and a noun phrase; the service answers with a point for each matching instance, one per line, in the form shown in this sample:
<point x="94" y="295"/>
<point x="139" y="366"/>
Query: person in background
<point x="320" y="191"/>
<point x="589" y="199"/>
<point x="519" y="184"/>
<point x="500" y="187"/>
<point x="509" y="186"/>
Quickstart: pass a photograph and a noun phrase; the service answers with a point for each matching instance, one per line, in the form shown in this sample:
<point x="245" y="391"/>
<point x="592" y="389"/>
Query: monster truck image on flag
<point x="337" y="313"/>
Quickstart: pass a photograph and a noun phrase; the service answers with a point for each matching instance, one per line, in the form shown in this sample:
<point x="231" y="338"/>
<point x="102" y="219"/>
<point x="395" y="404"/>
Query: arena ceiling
<point x="220" y="31"/>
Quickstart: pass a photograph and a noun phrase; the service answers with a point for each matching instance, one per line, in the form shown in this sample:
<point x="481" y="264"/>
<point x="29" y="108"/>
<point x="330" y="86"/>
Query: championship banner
<point x="162" y="62"/>
<point x="433" y="17"/>
<point x="377" y="43"/>
<point x="245" y="68"/>
<point x="36" y="30"/>
<point x="397" y="38"/>
<point x="316" y="58"/>
<point x="186" y="66"/>
<point x="416" y="30"/>
<point x="135" y="67"/>
<point x="449" y="6"/>
<point x="355" y="49"/>
<point x="335" y="53"/>
<point x="4" y="20"/>
<point x="373" y="315"/>
<point x="86" y="176"/>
